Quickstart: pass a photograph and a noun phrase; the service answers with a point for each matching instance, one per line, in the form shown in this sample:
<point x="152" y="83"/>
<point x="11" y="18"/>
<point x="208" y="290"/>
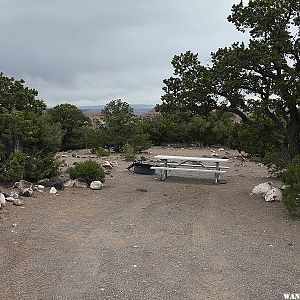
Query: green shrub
<point x="129" y="152"/>
<point x="40" y="165"/>
<point x="102" y="152"/>
<point x="13" y="169"/>
<point x="90" y="170"/>
<point x="292" y="194"/>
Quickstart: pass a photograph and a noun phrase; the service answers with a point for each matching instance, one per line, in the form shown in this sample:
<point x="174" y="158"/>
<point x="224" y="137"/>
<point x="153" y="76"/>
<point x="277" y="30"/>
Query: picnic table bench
<point x="172" y="163"/>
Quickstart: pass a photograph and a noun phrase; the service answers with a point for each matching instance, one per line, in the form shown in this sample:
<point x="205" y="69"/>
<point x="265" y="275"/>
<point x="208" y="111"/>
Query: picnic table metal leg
<point x="165" y="171"/>
<point x="217" y="175"/>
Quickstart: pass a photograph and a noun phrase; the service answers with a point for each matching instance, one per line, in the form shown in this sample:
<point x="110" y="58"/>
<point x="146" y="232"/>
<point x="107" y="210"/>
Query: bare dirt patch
<point x="184" y="238"/>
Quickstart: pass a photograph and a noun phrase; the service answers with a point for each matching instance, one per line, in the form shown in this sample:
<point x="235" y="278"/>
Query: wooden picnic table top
<point x="191" y="158"/>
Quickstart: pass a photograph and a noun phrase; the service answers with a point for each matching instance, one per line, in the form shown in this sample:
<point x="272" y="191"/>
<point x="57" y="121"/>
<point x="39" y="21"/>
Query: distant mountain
<point x="138" y="109"/>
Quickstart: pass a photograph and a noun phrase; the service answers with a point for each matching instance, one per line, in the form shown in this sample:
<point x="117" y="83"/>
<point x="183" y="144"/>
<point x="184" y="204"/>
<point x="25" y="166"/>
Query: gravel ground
<point x="140" y="238"/>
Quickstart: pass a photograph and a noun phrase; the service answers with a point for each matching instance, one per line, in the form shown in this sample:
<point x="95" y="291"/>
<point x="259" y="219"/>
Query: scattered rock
<point x="73" y="155"/>
<point x="141" y="189"/>
<point x="18" y="202"/>
<point x="2" y="200"/>
<point x="53" y="182"/>
<point x="64" y="177"/>
<point x="53" y="190"/>
<point x="26" y="192"/>
<point x="96" y="185"/>
<point x="80" y="183"/>
<point x="10" y="199"/>
<point x="274" y="194"/>
<point x="107" y="165"/>
<point x="262" y="188"/>
<point x="64" y="155"/>
<point x="69" y="183"/>
<point x="35" y="188"/>
<point x="41" y="187"/>
<point x="23" y="184"/>
<point x="270" y="192"/>
<point x="11" y="194"/>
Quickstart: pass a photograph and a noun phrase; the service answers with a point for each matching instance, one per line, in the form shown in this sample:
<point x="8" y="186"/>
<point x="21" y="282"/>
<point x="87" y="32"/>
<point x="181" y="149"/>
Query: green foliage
<point x="90" y="170"/>
<point x="292" y="193"/>
<point x="73" y="122"/>
<point x="25" y="130"/>
<point x="40" y="165"/>
<point x="161" y="129"/>
<point x="15" y="97"/>
<point x="258" y="81"/>
<point x="120" y="126"/>
<point x="102" y="152"/>
<point x="129" y="152"/>
<point x="118" y="121"/>
<point x="14" y="167"/>
<point x="95" y="137"/>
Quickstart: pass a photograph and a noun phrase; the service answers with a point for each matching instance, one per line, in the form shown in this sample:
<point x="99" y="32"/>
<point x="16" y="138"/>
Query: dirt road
<point x="140" y="238"/>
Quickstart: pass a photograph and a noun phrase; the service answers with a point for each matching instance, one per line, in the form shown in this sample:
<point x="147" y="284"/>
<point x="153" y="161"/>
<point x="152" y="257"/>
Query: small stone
<point x="18" y="202"/>
<point x="53" y="190"/>
<point x="69" y="183"/>
<point x="2" y="200"/>
<point x="141" y="189"/>
<point x="96" y="185"/>
<point x="80" y="184"/>
<point x="26" y="192"/>
<point x="10" y="199"/>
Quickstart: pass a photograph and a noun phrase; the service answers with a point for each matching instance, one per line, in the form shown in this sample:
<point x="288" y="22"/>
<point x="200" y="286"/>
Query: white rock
<point x="274" y="194"/>
<point x="69" y="183"/>
<point x="221" y="149"/>
<point x="18" y="202"/>
<point x="96" y="185"/>
<point x="80" y="184"/>
<point x="262" y="188"/>
<point x="10" y="199"/>
<point x="53" y="190"/>
<point x="27" y="192"/>
<point x="23" y="184"/>
<point x="40" y="187"/>
<point x="2" y="200"/>
<point x="107" y="164"/>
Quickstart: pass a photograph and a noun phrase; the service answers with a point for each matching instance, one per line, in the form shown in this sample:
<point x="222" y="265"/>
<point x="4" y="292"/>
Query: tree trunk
<point x="291" y="144"/>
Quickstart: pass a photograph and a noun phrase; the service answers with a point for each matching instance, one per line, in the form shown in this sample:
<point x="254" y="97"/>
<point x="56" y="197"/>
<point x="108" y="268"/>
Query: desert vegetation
<point x="256" y="81"/>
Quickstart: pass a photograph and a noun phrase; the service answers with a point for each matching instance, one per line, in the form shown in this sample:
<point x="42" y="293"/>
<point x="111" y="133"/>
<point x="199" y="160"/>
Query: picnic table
<point x="170" y="163"/>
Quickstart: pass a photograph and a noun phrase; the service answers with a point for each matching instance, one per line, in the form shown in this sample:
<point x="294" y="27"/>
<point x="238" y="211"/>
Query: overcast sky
<point x="90" y="52"/>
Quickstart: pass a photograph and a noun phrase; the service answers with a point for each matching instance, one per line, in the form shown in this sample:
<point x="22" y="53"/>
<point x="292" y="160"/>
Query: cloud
<point x="87" y="52"/>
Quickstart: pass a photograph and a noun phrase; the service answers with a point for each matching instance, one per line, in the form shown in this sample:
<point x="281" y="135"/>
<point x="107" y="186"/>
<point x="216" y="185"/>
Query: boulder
<point x="80" y="183"/>
<point x="96" y="185"/>
<point x="23" y="184"/>
<point x="262" y="188"/>
<point x="10" y="199"/>
<point x="107" y="165"/>
<point x="269" y="192"/>
<point x="273" y="194"/>
<point x="18" y="202"/>
<point x="69" y="183"/>
<point x="2" y="200"/>
<point x="53" y="182"/>
<point x="11" y="194"/>
<point x="26" y="188"/>
<point x="26" y="192"/>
